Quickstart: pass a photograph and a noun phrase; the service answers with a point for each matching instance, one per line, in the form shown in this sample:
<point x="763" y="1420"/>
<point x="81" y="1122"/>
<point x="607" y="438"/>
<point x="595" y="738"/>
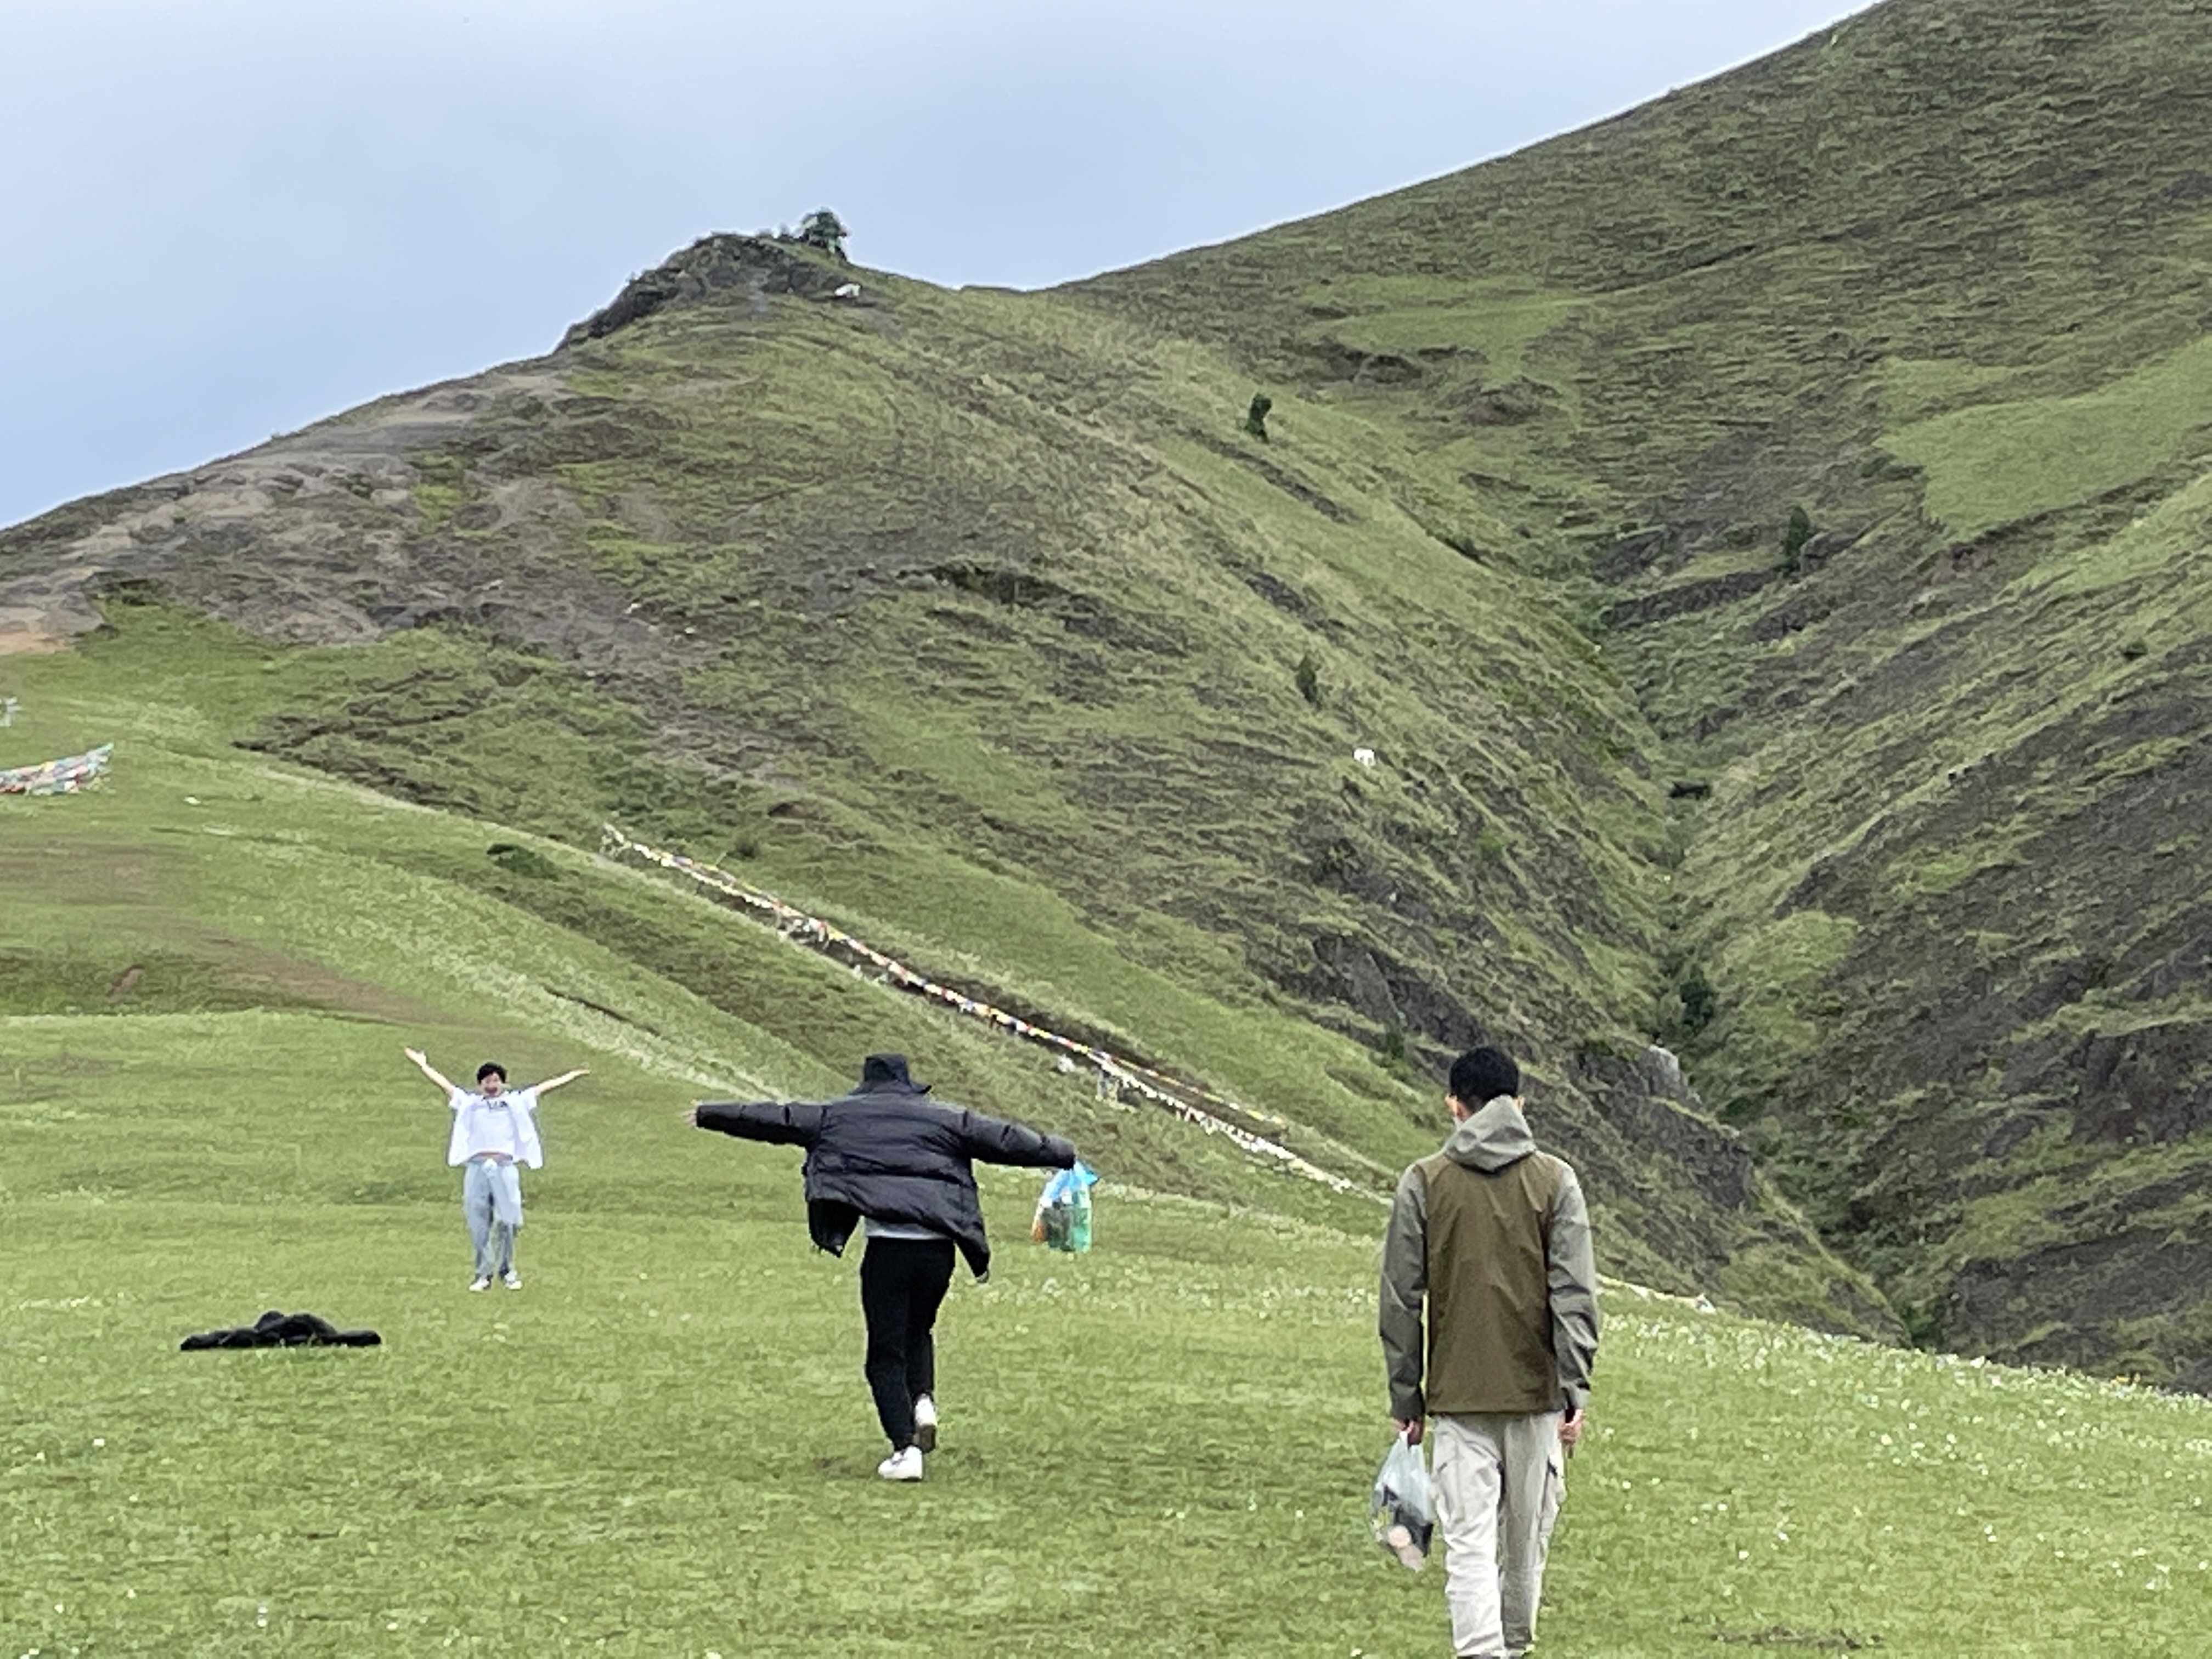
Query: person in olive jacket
<point x="1489" y="1249"/>
<point x="887" y="1158"/>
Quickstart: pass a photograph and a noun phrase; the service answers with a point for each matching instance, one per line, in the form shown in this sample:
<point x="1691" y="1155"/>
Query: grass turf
<point x="662" y="1445"/>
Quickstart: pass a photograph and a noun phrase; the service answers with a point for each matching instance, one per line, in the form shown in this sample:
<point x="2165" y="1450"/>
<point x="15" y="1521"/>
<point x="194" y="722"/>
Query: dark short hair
<point x="491" y="1069"/>
<point x="1480" y="1075"/>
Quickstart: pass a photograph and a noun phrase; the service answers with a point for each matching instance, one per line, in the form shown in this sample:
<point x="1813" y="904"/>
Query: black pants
<point x="903" y="1284"/>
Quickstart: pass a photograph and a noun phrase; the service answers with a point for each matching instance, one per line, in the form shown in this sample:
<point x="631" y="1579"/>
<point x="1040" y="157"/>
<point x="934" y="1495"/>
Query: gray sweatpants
<point x="491" y="1198"/>
<point x="1498" y="1487"/>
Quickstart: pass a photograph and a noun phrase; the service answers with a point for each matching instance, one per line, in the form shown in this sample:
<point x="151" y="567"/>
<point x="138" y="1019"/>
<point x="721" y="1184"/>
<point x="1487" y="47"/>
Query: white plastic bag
<point x="1403" y="1510"/>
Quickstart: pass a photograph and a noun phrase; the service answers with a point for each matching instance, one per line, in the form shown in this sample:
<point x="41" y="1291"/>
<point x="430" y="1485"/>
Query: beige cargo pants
<point x="1498" y="1487"/>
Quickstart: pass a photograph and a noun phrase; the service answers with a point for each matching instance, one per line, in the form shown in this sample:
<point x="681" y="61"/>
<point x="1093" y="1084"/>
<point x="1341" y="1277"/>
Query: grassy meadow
<point x="662" y="1443"/>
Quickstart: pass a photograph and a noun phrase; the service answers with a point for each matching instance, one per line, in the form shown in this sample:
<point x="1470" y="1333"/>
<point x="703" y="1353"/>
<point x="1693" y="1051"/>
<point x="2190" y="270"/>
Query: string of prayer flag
<point x="1193" y="1103"/>
<point x="64" y="776"/>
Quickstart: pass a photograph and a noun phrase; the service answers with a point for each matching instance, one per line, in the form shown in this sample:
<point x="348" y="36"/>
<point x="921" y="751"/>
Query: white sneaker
<point x="513" y="1279"/>
<point x="924" y="1423"/>
<point x="902" y="1465"/>
<point x="480" y="1282"/>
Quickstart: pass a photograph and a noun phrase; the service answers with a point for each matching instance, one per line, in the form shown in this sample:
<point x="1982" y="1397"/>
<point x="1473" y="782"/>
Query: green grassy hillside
<point x="1757" y="542"/>
<point x="201" y="881"/>
<point x="662" y="1444"/>
<point x="972" y="621"/>
<point x="1938" y="278"/>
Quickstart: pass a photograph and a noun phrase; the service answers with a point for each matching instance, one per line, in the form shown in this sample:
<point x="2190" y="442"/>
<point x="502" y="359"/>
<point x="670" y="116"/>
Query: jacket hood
<point x="1492" y="1138"/>
<point x="887" y="1072"/>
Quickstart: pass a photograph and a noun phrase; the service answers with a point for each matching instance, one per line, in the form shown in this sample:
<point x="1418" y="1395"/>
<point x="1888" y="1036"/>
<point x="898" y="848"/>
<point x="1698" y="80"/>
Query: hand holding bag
<point x="1403" y="1510"/>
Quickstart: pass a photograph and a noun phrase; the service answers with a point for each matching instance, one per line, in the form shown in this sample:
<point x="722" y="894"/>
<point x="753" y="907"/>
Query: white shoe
<point x="902" y="1465"/>
<point x="513" y="1279"/>
<point x="480" y="1282"/>
<point x="924" y="1423"/>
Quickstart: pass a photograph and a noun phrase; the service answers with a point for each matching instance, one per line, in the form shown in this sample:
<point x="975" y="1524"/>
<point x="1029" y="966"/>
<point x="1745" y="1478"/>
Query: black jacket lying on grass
<point x="889" y="1152"/>
<point x="282" y="1330"/>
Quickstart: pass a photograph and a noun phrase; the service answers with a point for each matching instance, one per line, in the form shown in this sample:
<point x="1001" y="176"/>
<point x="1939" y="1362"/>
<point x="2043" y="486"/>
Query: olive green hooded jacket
<point x="1489" y="1240"/>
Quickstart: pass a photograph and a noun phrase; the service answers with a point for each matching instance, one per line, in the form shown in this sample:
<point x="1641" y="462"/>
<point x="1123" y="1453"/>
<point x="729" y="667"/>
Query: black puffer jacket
<point x="888" y="1151"/>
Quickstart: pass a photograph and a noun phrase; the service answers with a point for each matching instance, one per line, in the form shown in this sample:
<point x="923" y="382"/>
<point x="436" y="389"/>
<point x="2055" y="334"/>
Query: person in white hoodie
<point x="494" y="1134"/>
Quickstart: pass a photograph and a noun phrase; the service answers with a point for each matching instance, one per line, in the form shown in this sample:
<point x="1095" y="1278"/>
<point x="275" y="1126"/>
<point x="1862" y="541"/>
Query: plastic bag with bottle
<point x="1063" y="1212"/>
<point x="1403" y="1509"/>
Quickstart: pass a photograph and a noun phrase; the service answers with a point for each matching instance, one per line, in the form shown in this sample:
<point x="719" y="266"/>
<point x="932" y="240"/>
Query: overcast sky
<point x="228" y="218"/>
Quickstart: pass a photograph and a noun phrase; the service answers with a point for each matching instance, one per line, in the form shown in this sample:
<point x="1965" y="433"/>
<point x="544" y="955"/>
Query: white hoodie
<point x="506" y="1124"/>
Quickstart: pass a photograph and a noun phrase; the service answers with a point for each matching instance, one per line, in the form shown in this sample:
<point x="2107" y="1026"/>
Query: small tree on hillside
<point x="1794" y="537"/>
<point x="1700" y="1002"/>
<point x="1391" y="1051"/>
<point x="825" y="230"/>
<point x="1255" y="418"/>
<point x="1688" y="1003"/>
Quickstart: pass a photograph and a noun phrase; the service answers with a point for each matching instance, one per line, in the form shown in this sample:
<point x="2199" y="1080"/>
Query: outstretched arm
<point x="565" y="1076"/>
<point x="781" y="1123"/>
<point x="994" y="1140"/>
<point x="423" y="1066"/>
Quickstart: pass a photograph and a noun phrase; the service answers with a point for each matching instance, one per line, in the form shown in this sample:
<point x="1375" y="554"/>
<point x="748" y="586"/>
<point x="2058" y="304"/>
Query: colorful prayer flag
<point x="64" y="776"/>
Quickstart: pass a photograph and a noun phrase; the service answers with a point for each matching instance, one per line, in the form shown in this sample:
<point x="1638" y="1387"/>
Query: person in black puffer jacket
<point x="889" y="1156"/>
